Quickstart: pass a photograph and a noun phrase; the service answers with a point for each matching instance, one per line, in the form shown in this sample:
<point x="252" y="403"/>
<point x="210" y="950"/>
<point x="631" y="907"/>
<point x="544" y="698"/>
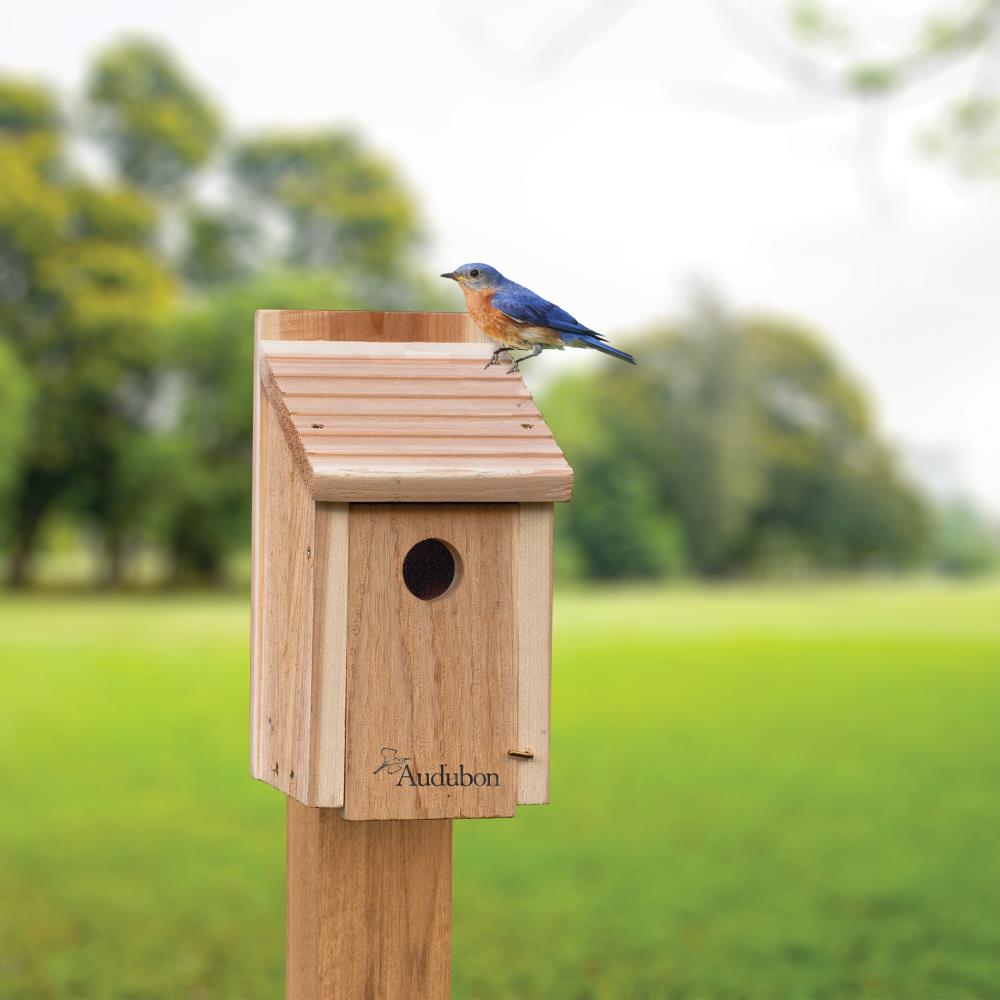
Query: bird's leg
<point x="496" y="354"/>
<point x="535" y="351"/>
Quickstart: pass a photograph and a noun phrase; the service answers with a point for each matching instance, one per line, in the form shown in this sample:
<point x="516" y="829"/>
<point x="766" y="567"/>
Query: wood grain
<point x="444" y="408"/>
<point x="413" y="351"/>
<point x="423" y="427"/>
<point x="534" y="650"/>
<point x="389" y="367"/>
<point x="320" y="444"/>
<point x="337" y="384"/>
<point x="283" y="594"/>
<point x="336" y="324"/>
<point x="447" y="486"/>
<point x="329" y="669"/>
<point x="369" y="907"/>
<point x="413" y="404"/>
<point x="436" y="681"/>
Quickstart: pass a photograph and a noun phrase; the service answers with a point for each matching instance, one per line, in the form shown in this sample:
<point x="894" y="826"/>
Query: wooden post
<point x="369" y="907"/>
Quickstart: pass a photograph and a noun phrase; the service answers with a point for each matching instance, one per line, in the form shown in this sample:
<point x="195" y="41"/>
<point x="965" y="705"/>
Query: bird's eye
<point x="474" y="273"/>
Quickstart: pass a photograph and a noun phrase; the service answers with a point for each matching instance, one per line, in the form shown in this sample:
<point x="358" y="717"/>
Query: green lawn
<point x="756" y="793"/>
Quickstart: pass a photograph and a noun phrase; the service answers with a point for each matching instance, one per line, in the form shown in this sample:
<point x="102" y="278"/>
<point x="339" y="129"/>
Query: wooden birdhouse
<point x="402" y="568"/>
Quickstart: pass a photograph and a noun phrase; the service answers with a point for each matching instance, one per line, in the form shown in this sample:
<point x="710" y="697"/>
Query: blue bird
<point x="520" y="319"/>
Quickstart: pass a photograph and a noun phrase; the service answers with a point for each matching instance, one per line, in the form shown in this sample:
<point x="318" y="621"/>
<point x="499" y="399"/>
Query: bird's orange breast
<point x="491" y="321"/>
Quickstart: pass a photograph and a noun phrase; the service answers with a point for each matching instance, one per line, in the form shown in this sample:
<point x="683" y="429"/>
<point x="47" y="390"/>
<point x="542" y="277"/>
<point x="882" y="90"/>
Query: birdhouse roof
<point x="383" y="422"/>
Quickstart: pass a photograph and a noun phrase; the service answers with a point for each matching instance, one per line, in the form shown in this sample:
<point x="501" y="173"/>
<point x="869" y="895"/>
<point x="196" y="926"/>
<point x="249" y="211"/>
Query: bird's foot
<point x="516" y="368"/>
<point x="495" y="356"/>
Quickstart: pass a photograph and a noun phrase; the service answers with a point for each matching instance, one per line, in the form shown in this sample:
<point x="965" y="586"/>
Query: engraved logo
<point x="409" y="776"/>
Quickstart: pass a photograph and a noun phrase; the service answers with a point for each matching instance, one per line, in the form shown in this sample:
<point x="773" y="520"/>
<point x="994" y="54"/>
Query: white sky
<point x="642" y="151"/>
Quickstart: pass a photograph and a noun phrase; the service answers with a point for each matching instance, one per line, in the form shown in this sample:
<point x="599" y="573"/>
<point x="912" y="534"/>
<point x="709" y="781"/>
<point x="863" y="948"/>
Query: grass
<point x="764" y="792"/>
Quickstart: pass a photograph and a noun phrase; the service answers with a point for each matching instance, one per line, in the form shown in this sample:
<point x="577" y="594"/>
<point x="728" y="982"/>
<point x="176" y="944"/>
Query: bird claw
<point x="495" y="357"/>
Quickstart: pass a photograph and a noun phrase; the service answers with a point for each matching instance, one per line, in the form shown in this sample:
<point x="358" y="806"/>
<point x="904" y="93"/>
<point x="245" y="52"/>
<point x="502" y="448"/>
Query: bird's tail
<point x="598" y="343"/>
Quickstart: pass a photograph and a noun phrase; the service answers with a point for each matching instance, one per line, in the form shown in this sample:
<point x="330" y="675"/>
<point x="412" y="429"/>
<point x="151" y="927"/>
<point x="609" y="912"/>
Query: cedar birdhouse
<point x="402" y="568"/>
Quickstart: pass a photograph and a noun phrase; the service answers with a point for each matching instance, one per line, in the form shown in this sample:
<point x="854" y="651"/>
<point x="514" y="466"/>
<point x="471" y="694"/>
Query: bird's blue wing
<point x="525" y="306"/>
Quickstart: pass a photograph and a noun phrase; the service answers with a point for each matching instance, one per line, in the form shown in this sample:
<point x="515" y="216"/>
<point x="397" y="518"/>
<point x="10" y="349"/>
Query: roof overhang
<point x="389" y="422"/>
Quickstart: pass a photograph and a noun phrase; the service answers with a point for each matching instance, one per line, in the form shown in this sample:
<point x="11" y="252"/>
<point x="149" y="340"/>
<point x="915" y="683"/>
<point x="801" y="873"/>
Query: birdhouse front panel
<point x="401" y="626"/>
<point x="431" y="661"/>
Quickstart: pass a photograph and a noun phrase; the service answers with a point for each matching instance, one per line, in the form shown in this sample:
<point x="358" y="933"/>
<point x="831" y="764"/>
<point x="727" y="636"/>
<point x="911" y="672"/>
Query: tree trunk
<point x="25" y="540"/>
<point x="114" y="557"/>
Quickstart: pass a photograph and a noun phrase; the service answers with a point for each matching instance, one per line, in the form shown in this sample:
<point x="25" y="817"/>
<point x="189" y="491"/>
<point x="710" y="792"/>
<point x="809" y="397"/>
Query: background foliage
<point x="739" y="446"/>
<point x="126" y="299"/>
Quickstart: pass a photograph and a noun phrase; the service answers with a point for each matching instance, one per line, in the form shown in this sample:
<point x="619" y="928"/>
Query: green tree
<point x="834" y="494"/>
<point x="736" y="444"/>
<point x="334" y="201"/>
<point x="137" y="427"/>
<point x="964" y="542"/>
<point x="157" y="126"/>
<point x="17" y="392"/>
<point x="81" y="295"/>
<point x="203" y="512"/>
<point x="220" y="247"/>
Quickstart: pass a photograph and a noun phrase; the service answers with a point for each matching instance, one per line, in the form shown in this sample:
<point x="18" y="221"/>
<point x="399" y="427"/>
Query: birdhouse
<point x="402" y="568"/>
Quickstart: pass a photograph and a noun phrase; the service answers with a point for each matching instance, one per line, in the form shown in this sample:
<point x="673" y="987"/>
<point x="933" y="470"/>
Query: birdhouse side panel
<point x="534" y="651"/>
<point x="283" y="623"/>
<point x="432" y="684"/>
<point x="329" y="664"/>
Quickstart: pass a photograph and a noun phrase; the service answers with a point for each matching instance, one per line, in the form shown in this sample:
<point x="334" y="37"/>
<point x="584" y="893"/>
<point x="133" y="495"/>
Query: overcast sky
<point x="612" y="159"/>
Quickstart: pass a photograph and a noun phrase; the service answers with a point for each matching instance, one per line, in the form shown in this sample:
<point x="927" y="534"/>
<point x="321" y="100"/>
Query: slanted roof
<point x="371" y="421"/>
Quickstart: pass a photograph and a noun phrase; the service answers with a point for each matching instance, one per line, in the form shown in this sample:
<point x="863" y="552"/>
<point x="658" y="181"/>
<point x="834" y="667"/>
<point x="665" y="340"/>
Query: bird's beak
<point x="450" y="274"/>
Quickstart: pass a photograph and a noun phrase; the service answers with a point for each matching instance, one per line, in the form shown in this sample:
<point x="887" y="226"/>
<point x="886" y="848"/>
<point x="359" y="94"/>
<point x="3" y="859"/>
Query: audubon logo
<point x="406" y="776"/>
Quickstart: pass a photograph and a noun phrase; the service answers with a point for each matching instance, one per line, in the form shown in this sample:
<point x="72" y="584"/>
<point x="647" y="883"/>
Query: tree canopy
<point x="154" y="122"/>
<point x="138" y="398"/>
<point x="342" y="205"/>
<point x="739" y="444"/>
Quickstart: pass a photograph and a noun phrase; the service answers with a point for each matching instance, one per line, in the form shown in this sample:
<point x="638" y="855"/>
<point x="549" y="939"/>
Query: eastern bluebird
<point x="518" y="318"/>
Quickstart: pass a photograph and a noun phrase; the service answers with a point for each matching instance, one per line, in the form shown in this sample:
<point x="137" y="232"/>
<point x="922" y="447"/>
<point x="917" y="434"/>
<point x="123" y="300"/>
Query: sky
<point x="616" y="155"/>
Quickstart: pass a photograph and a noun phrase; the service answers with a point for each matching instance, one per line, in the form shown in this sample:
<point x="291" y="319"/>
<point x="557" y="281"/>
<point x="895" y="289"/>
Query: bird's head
<point x="476" y="277"/>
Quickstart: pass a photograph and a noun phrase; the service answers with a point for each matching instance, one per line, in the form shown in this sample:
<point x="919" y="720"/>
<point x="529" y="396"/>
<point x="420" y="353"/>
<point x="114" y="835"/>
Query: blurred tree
<point x="139" y="428"/>
<point x="203" y="513"/>
<point x="964" y="542"/>
<point x="834" y="54"/>
<point x="735" y="444"/>
<point x="26" y="109"/>
<point x="220" y="247"/>
<point x="335" y="203"/>
<point x="834" y="492"/>
<point x="80" y="296"/>
<point x="157" y="126"/>
<point x="17" y="391"/>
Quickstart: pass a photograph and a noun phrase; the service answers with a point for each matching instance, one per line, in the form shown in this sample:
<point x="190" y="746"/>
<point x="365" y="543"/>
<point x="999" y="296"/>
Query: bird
<point x="520" y="319"/>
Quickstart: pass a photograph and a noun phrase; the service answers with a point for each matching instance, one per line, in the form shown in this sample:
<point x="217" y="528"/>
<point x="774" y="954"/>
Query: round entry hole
<point x="430" y="569"/>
